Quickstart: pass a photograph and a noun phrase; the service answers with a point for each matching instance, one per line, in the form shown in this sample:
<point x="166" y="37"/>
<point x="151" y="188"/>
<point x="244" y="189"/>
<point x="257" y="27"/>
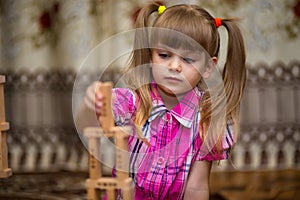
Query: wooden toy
<point x="4" y="126"/>
<point x="96" y="181"/>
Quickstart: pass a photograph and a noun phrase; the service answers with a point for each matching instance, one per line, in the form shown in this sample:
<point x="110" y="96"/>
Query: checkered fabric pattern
<point x="160" y="170"/>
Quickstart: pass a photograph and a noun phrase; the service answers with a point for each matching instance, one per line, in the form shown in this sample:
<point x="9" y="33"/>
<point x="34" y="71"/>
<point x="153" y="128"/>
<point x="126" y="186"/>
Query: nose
<point x="175" y="64"/>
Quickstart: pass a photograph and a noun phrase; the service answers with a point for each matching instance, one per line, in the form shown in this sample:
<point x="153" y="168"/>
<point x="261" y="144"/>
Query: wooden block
<point x="92" y="192"/>
<point x="127" y="189"/>
<point x="106" y="119"/>
<point x="96" y="132"/>
<point x="110" y="185"/>
<point x="122" y="165"/>
<point x="91" y="183"/>
<point x="111" y="194"/>
<point x="4" y="126"/>
<point x="93" y="132"/>
<point x="4" y="170"/>
<point x="94" y="163"/>
<point x="122" y="175"/>
<point x="122" y="155"/>
<point x="2" y="107"/>
<point x="126" y="183"/>
<point x="121" y="134"/>
<point x="2" y="79"/>
<point x="127" y="193"/>
<point x="107" y="183"/>
<point x="117" y="131"/>
<point x="5" y="173"/>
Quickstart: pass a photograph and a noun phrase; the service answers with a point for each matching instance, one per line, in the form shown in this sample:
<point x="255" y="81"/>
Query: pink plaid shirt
<point x="160" y="170"/>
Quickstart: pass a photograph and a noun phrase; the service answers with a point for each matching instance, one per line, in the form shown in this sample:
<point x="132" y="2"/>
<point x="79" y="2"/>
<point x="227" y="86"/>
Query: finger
<point x="98" y="111"/>
<point x="99" y="96"/>
<point x="98" y="104"/>
<point x="89" y="103"/>
<point x="90" y="93"/>
<point x="97" y="86"/>
<point x="89" y="98"/>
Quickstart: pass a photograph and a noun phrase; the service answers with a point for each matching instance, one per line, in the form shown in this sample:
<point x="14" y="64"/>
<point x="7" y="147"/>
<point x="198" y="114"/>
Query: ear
<point x="210" y="67"/>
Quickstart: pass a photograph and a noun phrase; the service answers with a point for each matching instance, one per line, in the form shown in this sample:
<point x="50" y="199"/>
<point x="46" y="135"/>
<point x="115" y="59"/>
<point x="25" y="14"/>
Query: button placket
<point x="168" y="118"/>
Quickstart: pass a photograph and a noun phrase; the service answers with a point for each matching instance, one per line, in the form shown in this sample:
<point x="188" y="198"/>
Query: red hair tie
<point x="218" y="22"/>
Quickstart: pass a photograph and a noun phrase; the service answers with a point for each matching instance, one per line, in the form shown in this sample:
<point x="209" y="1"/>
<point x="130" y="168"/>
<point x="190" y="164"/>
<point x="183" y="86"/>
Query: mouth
<point x="173" y="79"/>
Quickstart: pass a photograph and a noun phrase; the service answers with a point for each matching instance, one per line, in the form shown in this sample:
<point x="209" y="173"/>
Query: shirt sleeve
<point x="227" y="144"/>
<point x="123" y="106"/>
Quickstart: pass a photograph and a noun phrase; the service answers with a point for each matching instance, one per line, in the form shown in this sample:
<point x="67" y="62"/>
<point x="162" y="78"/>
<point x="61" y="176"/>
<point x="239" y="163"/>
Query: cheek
<point x="193" y="77"/>
<point x="155" y="71"/>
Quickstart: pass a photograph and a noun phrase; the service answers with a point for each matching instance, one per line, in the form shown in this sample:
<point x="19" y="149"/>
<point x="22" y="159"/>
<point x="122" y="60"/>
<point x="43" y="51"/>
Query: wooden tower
<point x="96" y="181"/>
<point x="4" y="126"/>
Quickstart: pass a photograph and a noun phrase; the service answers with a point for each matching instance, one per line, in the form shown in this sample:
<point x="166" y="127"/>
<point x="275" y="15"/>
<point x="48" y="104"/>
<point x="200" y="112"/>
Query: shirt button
<point x="160" y="160"/>
<point x="168" y="116"/>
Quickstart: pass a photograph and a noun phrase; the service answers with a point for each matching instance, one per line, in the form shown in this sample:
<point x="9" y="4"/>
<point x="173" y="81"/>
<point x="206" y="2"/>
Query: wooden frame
<point x="4" y="126"/>
<point x="96" y="181"/>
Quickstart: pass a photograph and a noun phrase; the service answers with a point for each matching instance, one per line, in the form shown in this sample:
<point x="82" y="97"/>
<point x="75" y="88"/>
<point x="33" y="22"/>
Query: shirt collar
<point x="183" y="112"/>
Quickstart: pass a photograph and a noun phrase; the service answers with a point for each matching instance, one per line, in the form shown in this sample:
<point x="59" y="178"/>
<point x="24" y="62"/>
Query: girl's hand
<point x="93" y="98"/>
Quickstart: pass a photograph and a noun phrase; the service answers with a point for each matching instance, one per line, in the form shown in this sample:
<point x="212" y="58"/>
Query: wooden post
<point x="106" y="121"/>
<point x="121" y="156"/>
<point x="95" y="167"/>
<point x="4" y="126"/>
<point x="96" y="181"/>
<point x="122" y="163"/>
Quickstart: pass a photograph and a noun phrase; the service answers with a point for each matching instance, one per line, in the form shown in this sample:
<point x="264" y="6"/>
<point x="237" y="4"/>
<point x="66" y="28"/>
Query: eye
<point x="188" y="60"/>
<point x="163" y="55"/>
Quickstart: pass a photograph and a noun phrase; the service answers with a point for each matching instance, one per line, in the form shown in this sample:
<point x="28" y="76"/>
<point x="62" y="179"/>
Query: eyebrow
<point x="177" y="51"/>
<point x="180" y="52"/>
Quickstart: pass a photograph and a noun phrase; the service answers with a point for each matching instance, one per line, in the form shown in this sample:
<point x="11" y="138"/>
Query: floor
<point x="260" y="185"/>
<point x="267" y="185"/>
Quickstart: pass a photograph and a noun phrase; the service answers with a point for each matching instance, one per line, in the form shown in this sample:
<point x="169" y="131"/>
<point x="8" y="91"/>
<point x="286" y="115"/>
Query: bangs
<point x="173" y="39"/>
<point x="183" y="27"/>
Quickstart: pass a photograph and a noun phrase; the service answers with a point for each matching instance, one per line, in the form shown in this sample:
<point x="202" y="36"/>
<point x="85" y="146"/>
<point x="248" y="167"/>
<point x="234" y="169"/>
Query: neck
<point x="169" y="100"/>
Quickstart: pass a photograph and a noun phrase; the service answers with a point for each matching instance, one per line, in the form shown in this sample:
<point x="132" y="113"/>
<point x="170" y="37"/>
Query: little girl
<point x="182" y="123"/>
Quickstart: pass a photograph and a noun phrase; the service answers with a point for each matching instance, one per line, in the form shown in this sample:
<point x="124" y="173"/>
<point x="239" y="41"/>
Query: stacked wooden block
<point x="4" y="126"/>
<point x="96" y="181"/>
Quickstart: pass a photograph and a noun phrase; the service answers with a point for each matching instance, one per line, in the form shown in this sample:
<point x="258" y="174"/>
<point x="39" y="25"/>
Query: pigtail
<point x="227" y="98"/>
<point x="234" y="73"/>
<point x="138" y="74"/>
<point x="141" y="53"/>
<point x="142" y="19"/>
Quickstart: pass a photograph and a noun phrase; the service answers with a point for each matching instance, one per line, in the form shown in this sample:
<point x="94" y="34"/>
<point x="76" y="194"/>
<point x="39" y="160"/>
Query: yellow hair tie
<point x="161" y="9"/>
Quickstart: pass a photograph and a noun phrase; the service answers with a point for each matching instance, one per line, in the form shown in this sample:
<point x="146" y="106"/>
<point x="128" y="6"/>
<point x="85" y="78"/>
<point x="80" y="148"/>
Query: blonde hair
<point x="199" y="25"/>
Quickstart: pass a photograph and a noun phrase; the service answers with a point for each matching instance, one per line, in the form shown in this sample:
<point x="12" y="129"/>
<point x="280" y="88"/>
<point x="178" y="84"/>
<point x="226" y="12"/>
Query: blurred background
<point x="44" y="44"/>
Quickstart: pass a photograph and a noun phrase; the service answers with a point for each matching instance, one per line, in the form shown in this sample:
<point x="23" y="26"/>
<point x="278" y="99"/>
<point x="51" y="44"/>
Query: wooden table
<point x="257" y="185"/>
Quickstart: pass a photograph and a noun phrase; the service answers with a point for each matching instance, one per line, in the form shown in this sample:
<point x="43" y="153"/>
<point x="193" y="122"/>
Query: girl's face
<point x="177" y="71"/>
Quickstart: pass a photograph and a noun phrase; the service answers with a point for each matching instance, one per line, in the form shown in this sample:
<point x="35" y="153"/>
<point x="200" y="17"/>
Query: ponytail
<point x="234" y="73"/>
<point x="234" y="79"/>
<point x="141" y="57"/>
<point x="144" y="13"/>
